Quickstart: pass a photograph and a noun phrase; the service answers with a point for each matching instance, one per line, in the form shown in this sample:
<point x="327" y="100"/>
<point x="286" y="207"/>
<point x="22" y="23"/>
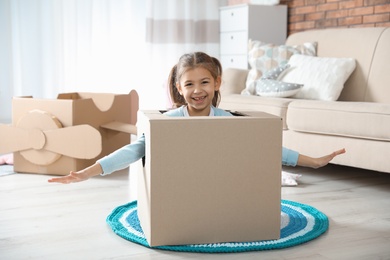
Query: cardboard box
<point x="68" y="133"/>
<point x="210" y="179"/>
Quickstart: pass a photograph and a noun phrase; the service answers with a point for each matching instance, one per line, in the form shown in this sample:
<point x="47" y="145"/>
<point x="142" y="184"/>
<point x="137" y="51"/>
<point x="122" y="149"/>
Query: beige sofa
<point x="358" y="121"/>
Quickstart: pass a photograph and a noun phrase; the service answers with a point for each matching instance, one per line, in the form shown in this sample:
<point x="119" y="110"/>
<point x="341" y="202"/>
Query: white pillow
<point x="323" y="78"/>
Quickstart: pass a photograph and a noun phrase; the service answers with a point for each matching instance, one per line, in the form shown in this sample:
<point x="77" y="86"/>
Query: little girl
<point x="194" y="87"/>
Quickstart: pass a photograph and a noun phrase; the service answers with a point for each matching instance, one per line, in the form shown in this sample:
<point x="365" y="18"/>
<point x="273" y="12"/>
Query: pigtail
<point x="217" y="94"/>
<point x="218" y="65"/>
<point x="176" y="98"/>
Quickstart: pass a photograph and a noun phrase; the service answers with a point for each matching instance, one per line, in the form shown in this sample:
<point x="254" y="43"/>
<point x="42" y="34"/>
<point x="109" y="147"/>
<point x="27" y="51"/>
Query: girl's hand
<point x="322" y="161"/>
<point x="72" y="177"/>
<point x="79" y="176"/>
<point x="315" y="163"/>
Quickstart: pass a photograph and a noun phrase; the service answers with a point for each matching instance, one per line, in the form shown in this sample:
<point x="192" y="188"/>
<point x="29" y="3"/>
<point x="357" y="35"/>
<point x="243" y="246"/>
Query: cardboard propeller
<point x="35" y="133"/>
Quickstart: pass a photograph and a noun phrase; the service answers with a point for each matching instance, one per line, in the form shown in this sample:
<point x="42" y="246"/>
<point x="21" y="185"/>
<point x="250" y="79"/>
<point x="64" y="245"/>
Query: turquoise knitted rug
<point x="300" y="223"/>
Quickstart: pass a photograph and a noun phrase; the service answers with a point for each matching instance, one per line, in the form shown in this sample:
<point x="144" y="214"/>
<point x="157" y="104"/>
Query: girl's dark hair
<point x="191" y="61"/>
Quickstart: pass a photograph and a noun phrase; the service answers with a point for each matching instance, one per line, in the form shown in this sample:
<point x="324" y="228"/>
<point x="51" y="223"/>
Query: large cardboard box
<point x="54" y="136"/>
<point x="210" y="179"/>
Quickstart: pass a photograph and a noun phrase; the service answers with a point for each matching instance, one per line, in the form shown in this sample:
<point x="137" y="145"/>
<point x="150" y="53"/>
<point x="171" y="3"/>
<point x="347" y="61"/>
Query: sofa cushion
<point x="323" y="77"/>
<point x="352" y="119"/>
<point x="233" y="81"/>
<point x="274" y="106"/>
<point x="379" y="77"/>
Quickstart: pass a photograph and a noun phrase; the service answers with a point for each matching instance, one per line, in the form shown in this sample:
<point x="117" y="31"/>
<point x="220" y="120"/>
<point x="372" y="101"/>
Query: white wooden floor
<point x="39" y="220"/>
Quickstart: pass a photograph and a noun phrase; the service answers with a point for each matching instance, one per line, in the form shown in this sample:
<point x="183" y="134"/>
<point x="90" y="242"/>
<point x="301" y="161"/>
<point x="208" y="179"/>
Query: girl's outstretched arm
<point x="117" y="160"/>
<point x="81" y="175"/>
<point x="307" y="161"/>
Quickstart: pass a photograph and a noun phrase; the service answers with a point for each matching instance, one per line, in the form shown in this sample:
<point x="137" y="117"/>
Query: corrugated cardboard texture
<point x="210" y="179"/>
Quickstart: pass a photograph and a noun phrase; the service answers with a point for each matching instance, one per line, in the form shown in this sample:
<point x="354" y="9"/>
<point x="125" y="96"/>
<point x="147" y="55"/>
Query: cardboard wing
<point x="37" y="133"/>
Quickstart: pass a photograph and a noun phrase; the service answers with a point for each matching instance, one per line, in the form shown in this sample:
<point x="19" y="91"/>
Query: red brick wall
<point x="318" y="14"/>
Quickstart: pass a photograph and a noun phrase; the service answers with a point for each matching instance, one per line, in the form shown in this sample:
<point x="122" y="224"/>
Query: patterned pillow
<point x="269" y="86"/>
<point x="263" y="57"/>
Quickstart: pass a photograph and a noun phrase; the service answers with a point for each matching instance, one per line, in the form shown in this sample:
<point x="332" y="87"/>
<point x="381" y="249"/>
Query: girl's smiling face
<point x="198" y="87"/>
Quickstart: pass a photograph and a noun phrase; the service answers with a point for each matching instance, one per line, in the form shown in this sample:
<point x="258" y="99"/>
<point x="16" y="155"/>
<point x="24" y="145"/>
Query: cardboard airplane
<point x="68" y="133"/>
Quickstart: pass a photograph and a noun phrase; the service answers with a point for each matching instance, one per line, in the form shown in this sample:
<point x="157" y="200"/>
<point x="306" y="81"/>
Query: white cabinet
<point x="239" y="23"/>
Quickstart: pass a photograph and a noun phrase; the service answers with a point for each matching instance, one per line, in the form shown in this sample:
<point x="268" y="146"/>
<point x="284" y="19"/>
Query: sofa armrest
<point x="233" y="81"/>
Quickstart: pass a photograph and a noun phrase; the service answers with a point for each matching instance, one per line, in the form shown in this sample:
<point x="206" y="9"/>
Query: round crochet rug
<point x="300" y="223"/>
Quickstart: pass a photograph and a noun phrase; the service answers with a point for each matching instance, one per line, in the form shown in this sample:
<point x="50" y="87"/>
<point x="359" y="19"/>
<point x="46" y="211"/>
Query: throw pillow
<point x="323" y="78"/>
<point x="276" y="72"/>
<point x="275" y="88"/>
<point x="269" y="86"/>
<point x="263" y="57"/>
